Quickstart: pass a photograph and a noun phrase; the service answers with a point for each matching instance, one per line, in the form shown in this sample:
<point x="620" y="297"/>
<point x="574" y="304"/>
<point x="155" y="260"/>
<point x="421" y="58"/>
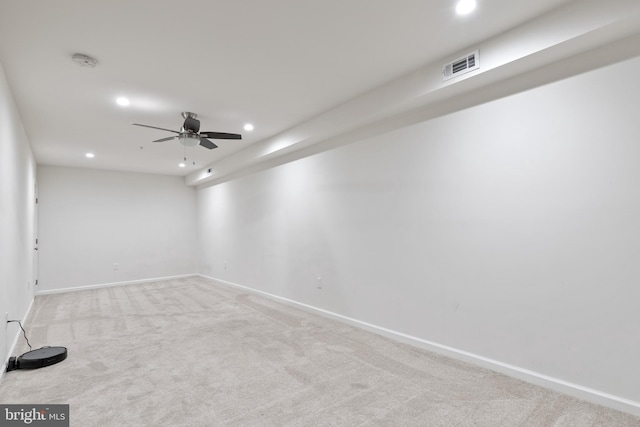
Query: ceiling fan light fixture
<point x="189" y="140"/>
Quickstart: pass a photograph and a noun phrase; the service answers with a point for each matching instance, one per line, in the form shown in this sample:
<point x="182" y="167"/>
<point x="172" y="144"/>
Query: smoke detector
<point x="84" y="60"/>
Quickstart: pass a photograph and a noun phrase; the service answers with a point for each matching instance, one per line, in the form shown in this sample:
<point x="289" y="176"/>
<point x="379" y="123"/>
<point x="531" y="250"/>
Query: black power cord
<point x="23" y="331"/>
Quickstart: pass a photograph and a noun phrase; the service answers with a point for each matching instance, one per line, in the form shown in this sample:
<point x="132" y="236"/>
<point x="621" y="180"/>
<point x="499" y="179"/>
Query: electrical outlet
<point x="319" y="282"/>
<point x="115" y="266"/>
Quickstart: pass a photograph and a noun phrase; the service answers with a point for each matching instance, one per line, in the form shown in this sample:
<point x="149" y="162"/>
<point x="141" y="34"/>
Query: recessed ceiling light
<point x="90" y="155"/>
<point x="465" y="6"/>
<point x="122" y="101"/>
<point x="248" y="127"/>
<point x="182" y="165"/>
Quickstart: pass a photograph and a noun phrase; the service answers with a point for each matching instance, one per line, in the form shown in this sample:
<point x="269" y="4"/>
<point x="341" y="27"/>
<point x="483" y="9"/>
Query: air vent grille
<point x="461" y="66"/>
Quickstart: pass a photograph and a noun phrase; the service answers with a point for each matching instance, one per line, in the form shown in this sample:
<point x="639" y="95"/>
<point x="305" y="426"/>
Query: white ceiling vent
<point x="462" y="65"/>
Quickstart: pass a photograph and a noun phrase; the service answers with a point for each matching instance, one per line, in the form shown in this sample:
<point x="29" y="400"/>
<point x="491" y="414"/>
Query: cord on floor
<point x="23" y="332"/>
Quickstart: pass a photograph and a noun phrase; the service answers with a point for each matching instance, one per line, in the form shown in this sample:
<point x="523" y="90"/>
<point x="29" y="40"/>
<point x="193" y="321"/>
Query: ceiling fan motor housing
<point x="191" y="124"/>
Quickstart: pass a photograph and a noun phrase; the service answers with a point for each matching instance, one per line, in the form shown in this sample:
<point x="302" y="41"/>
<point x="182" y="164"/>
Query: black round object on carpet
<point x="39" y="358"/>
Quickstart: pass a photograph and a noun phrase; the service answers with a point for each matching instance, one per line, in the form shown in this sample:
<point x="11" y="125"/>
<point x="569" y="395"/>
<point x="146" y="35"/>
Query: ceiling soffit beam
<point x="541" y="50"/>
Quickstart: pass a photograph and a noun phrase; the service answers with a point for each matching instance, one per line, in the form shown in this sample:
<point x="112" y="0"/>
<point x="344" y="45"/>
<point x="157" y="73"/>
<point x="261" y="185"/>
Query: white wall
<point x="93" y="219"/>
<point x="17" y="186"/>
<point x="510" y="230"/>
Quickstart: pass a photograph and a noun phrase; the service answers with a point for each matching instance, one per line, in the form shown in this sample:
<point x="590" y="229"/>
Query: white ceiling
<point x="274" y="63"/>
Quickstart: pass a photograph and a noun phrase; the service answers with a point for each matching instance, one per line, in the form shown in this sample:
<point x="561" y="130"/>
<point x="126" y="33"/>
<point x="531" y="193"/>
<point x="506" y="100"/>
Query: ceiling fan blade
<point x="169" y="138"/>
<point x="220" y="135"/>
<point x="154" y="127"/>
<point x="207" y="144"/>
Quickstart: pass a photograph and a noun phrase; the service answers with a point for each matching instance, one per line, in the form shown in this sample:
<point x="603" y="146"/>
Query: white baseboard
<point x="18" y="334"/>
<point x="556" y="384"/>
<point x="108" y="285"/>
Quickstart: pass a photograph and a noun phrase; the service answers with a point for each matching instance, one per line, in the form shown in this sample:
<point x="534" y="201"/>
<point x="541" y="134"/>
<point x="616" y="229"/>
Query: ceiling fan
<point x="190" y="135"/>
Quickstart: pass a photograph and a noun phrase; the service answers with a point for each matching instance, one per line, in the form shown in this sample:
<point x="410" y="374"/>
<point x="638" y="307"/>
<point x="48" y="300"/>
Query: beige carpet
<point x="191" y="352"/>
